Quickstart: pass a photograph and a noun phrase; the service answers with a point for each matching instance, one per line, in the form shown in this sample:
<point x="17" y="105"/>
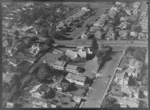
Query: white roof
<point x="35" y="88"/>
<point x="82" y="53"/>
<point x="71" y="54"/>
<point x="75" y="77"/>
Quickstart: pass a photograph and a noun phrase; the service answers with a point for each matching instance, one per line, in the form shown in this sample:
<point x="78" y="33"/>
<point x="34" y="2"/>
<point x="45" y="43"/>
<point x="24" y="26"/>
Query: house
<point x="144" y="89"/>
<point x="84" y="36"/>
<point x="26" y="28"/>
<point x="85" y="9"/>
<point x="35" y="88"/>
<point x="112" y="14"/>
<point x="121" y="79"/>
<point x="71" y="68"/>
<point x="110" y="34"/>
<point x="39" y="104"/>
<point x="77" y="98"/>
<point x="123" y="34"/>
<point x="76" y="79"/>
<point x="98" y="34"/>
<point x="123" y="25"/>
<point x="136" y="65"/>
<point x="9" y="105"/>
<point x="82" y="53"/>
<point x="128" y="102"/>
<point x="71" y="54"/>
<point x="131" y="71"/>
<point x="127" y="90"/>
<point x="59" y="65"/>
<point x="136" y="5"/>
<point x="36" y="95"/>
<point x="133" y="34"/>
<point x="7" y="77"/>
<point x="89" y="51"/>
<point x="13" y="62"/>
<point x="141" y="36"/>
<point x="146" y="58"/>
<point x="35" y="49"/>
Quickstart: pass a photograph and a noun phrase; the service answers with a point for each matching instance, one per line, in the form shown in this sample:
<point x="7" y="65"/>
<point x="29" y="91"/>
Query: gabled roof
<point x="126" y="90"/>
<point x="71" y="67"/>
<point x="71" y="54"/>
<point x="59" y="63"/>
<point x="82" y="53"/>
<point x="75" y="77"/>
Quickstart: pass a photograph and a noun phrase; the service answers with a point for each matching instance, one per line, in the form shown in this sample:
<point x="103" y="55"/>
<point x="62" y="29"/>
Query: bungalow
<point x="127" y="90"/>
<point x="71" y="68"/>
<point x="71" y="54"/>
<point x="141" y="36"/>
<point x="9" y="105"/>
<point x="121" y="79"/>
<point x="81" y="53"/>
<point x="13" y="62"/>
<point x="123" y="34"/>
<point x="123" y="25"/>
<point x="35" y="88"/>
<point x="76" y="79"/>
<point x="7" y="77"/>
<point x="85" y="9"/>
<point x="59" y="65"/>
<point x="77" y="98"/>
<point x="39" y="104"/>
<point x="128" y="102"/>
<point x="131" y="71"/>
<point x="98" y="34"/>
<point x="84" y="36"/>
<point x="35" y="49"/>
<point x="133" y="34"/>
<point x="112" y="14"/>
<point x="136" y="64"/>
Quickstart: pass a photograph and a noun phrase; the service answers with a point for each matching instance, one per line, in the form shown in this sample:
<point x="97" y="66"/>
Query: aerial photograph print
<point x="71" y="54"/>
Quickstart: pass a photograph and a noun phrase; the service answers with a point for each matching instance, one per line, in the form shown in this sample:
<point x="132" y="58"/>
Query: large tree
<point x="94" y="45"/>
<point x="139" y="53"/>
<point x="45" y="72"/>
<point x="109" y="102"/>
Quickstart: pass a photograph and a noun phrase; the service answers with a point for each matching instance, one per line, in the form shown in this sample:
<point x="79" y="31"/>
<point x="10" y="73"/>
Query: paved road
<point x="87" y="43"/>
<point x="99" y="86"/>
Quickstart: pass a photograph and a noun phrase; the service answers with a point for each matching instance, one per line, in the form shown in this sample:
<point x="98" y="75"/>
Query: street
<point x="99" y="86"/>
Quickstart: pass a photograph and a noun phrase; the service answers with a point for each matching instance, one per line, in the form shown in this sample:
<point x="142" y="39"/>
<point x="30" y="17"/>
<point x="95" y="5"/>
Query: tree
<point x="50" y="93"/>
<point x="45" y="72"/>
<point x="108" y="102"/>
<point x="100" y="54"/>
<point x="94" y="46"/>
<point x="139" y="53"/>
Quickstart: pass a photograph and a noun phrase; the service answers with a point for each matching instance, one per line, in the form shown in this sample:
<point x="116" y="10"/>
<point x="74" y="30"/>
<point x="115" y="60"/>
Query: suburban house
<point x="7" y="77"/>
<point x="59" y="65"/>
<point x="135" y="66"/>
<point x="71" y="68"/>
<point x="34" y="49"/>
<point x="121" y="79"/>
<point x="76" y="79"/>
<point x="35" y="91"/>
<point x="39" y="104"/>
<point x="128" y="102"/>
<point x="71" y="54"/>
<point x="9" y="105"/>
<point x="84" y="36"/>
<point x="81" y="53"/>
<point x="77" y="98"/>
